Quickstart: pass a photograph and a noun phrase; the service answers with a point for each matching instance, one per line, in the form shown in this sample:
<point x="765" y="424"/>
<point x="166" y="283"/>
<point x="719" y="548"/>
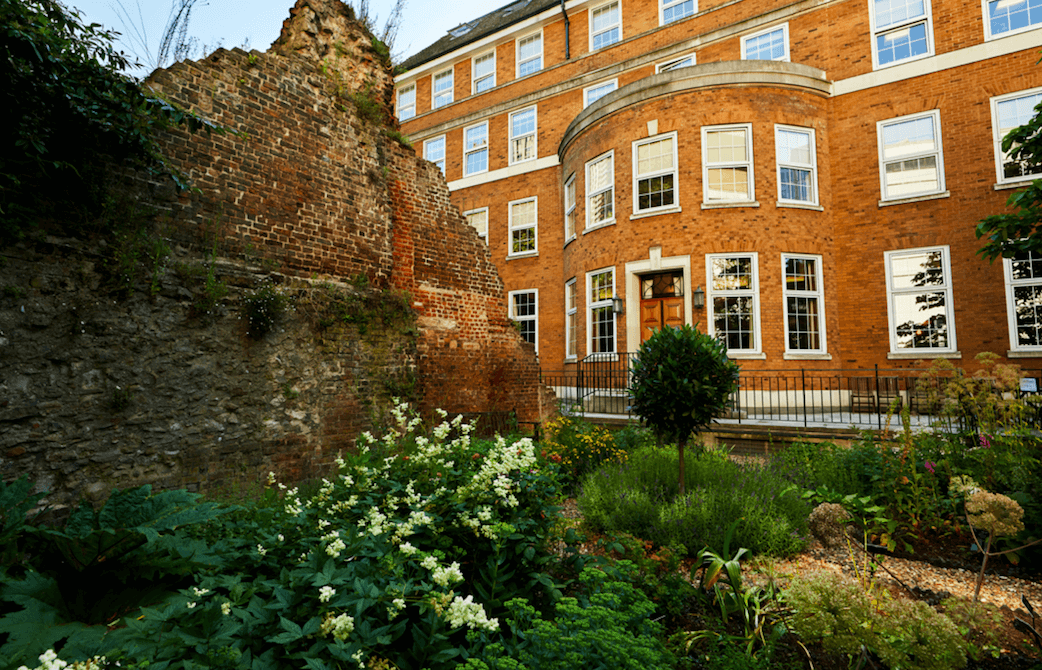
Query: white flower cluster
<point x="445" y="577"/>
<point x="340" y="626"/>
<point x="497" y="470"/>
<point x="325" y="594"/>
<point x="49" y="661"/>
<point x="396" y="606"/>
<point x="376" y="522"/>
<point x="407" y="549"/>
<point x="335" y="546"/>
<point x="466" y="612"/>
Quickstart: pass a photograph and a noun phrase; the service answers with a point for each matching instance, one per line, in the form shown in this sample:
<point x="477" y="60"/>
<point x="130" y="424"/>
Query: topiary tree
<point x="680" y="380"/>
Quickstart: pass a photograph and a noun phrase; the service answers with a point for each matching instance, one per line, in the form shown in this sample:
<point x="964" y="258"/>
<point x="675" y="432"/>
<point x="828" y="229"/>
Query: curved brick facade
<point x="904" y="164"/>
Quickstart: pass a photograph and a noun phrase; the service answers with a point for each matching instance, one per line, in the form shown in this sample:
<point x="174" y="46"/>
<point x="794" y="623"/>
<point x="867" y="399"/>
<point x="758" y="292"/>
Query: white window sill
<point x="806" y="357"/>
<point x="917" y="198"/>
<point x="1023" y="183"/>
<point x="474" y="174"/>
<point x="800" y="205"/>
<point x="599" y="226"/>
<point x="656" y="212"/>
<point x="1024" y="354"/>
<point x="750" y="355"/>
<point x="569" y="240"/>
<point x="527" y="254"/>
<point x="912" y="355"/>
<point x="911" y="59"/>
<point x="527" y="160"/>
<point x="726" y="205"/>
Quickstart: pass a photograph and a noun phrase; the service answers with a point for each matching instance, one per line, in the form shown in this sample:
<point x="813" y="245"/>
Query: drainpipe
<point x="567" y="47"/>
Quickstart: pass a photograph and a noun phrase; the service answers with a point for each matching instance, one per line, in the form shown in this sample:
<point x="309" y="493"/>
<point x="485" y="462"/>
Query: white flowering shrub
<point x="418" y="539"/>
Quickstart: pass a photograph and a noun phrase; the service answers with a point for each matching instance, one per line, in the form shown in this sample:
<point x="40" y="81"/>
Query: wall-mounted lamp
<point x="617" y="305"/>
<point x="699" y="298"/>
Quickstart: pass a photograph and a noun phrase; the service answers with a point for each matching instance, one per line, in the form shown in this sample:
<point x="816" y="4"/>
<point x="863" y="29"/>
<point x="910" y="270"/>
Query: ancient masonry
<point x="313" y="181"/>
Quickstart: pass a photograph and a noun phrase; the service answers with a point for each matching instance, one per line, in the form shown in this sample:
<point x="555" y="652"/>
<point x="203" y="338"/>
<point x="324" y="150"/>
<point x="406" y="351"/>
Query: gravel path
<point x="1000" y="590"/>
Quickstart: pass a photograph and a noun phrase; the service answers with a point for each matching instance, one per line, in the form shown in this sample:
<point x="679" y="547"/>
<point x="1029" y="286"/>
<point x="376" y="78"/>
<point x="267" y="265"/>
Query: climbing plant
<point x="68" y="106"/>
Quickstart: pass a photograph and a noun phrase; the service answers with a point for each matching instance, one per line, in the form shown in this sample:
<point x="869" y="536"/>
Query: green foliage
<point x="642" y="497"/>
<point x="62" y="83"/>
<point x="16" y="501"/>
<point x="393" y="560"/>
<point x="904" y="634"/>
<point x="608" y="626"/>
<point x="399" y="137"/>
<point x="360" y="306"/>
<point x="1017" y="232"/>
<point x="681" y="379"/>
<point x="136" y="254"/>
<point x="100" y="565"/>
<point x="369" y="108"/>
<point x="263" y="308"/>
<point x="815" y="465"/>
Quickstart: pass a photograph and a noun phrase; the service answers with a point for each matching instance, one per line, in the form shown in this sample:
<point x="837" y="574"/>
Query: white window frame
<point x="811" y="167"/>
<point x="518" y="228"/>
<point x="474" y="212"/>
<point x="989" y="35"/>
<point x="614" y="83"/>
<point x="663" y="5"/>
<point x="475" y="81"/>
<point x="569" y="209"/>
<point x="671" y="64"/>
<point x="592" y="305"/>
<point x="712" y="293"/>
<point x="722" y="165"/>
<point x="784" y="28"/>
<point x="638" y="177"/>
<point x="937" y="152"/>
<point x="1011" y="311"/>
<point x="517" y="54"/>
<point x="445" y="97"/>
<point x="439" y="162"/>
<point x="534" y="318"/>
<point x="412" y="107"/>
<point x="892" y="294"/>
<point x="926" y="18"/>
<point x="571" y="321"/>
<point x="617" y="25"/>
<point x="817" y="294"/>
<point x="590" y="195"/>
<point x="996" y="131"/>
<point x="478" y="149"/>
<point x="534" y="134"/>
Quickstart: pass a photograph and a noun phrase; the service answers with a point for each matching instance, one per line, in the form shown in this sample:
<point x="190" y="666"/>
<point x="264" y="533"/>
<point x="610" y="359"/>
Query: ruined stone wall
<point x="310" y="190"/>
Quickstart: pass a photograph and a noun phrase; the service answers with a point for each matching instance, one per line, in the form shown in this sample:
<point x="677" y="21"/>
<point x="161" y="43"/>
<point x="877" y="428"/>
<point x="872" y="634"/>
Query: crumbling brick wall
<point x="312" y="176"/>
<point x="309" y="189"/>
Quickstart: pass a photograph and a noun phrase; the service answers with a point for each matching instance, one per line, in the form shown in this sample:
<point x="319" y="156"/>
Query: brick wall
<point x="314" y="181"/>
<point x="310" y="180"/>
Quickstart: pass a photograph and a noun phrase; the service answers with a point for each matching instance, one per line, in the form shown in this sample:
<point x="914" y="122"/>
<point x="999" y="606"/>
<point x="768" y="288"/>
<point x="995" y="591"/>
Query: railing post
<point x="803" y="387"/>
<point x="879" y="408"/>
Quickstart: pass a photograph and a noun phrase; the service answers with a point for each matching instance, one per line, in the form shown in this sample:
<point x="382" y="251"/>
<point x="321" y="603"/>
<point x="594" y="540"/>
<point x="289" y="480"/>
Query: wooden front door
<point x="658" y="312"/>
<point x="661" y="302"/>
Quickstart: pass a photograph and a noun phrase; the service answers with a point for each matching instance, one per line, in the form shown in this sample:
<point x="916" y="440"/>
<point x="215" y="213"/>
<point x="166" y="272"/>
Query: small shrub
<point x="906" y="634"/>
<point x="642" y="497"/>
<point x="580" y="447"/>
<point x="608" y="626"/>
<point x="263" y="308"/>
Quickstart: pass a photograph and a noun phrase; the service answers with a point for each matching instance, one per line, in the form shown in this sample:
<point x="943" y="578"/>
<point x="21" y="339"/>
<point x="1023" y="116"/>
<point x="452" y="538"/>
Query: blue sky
<point x="230" y="23"/>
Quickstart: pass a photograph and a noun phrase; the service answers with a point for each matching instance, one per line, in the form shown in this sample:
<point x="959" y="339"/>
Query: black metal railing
<point x="863" y="398"/>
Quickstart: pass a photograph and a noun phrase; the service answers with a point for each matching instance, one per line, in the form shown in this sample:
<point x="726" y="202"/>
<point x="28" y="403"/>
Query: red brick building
<point x="801" y="178"/>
